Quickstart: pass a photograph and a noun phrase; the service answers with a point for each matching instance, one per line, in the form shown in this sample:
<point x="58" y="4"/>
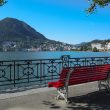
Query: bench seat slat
<point x="56" y="84"/>
<point x="82" y="75"/>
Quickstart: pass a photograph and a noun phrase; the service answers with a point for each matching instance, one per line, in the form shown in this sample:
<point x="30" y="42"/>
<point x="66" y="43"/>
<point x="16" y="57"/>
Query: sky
<point x="61" y="20"/>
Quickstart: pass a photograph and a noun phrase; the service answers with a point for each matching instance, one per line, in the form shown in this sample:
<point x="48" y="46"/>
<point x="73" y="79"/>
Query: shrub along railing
<point x="21" y="73"/>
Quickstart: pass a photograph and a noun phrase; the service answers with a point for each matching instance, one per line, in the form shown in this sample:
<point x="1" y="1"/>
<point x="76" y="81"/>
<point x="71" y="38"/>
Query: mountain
<point x="80" y="44"/>
<point x="86" y="46"/>
<point x="93" y="41"/>
<point x="12" y="29"/>
<point x="16" y="35"/>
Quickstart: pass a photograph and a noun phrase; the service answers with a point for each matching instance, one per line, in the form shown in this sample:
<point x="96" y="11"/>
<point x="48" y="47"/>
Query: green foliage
<point x="2" y="2"/>
<point x="95" y="3"/>
<point x="95" y="49"/>
<point x="84" y="48"/>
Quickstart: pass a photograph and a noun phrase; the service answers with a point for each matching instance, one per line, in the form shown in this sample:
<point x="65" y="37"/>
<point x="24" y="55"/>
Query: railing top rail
<point x="53" y="59"/>
<point x="89" y="57"/>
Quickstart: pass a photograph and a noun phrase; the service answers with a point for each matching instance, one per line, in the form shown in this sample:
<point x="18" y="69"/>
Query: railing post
<point x="14" y="74"/>
<point x="65" y="60"/>
<point x="40" y="72"/>
<point x="10" y="72"/>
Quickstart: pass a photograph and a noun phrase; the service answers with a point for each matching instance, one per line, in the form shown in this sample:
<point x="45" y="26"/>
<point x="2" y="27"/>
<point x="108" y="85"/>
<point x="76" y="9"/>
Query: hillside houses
<point x="108" y="46"/>
<point x="101" y="47"/>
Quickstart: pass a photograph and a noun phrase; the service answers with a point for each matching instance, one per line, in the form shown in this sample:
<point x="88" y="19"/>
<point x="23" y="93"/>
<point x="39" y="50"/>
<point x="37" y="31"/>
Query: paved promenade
<point x="82" y="97"/>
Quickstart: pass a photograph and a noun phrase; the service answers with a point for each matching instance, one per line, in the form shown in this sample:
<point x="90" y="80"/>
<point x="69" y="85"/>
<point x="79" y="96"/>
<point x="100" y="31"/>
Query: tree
<point x="95" y="49"/>
<point x="95" y="3"/>
<point x="83" y="48"/>
<point x="2" y="2"/>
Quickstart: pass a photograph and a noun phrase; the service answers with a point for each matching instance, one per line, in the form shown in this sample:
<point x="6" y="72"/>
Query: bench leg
<point x="99" y="85"/>
<point x="104" y="84"/>
<point x="108" y="83"/>
<point x="63" y="93"/>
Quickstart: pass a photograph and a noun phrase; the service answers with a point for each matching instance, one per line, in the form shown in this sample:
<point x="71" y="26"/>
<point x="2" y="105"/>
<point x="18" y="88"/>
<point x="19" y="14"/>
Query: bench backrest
<point x="85" y="74"/>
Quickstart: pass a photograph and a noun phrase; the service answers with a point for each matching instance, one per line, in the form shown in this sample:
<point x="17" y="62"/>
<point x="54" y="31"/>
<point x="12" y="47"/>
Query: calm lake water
<point x="48" y="55"/>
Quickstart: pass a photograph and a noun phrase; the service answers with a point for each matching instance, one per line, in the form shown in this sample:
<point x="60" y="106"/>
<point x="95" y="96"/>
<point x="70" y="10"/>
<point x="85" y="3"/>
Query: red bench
<point x="78" y="75"/>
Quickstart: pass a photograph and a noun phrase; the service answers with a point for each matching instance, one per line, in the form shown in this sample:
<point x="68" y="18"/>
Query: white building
<point x="108" y="46"/>
<point x="99" y="46"/>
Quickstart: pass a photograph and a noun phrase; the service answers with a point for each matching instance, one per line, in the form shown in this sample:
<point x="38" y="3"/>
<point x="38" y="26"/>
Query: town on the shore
<point x="48" y="46"/>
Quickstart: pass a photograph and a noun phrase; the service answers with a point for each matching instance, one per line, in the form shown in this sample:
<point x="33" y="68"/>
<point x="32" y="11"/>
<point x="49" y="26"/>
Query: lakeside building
<point x="101" y="47"/>
<point x="108" y="46"/>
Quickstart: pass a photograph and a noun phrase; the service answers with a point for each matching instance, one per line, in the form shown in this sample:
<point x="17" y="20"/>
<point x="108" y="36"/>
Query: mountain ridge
<point x="12" y="29"/>
<point x="18" y="35"/>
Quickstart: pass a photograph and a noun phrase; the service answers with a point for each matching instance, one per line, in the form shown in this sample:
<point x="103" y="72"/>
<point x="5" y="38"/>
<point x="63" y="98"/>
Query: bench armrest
<point x="68" y="76"/>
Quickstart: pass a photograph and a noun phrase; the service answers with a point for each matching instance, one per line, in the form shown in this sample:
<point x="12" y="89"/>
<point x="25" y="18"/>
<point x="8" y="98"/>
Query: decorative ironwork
<point x="2" y="73"/>
<point x="28" y="71"/>
<point x="52" y="69"/>
<point x="65" y="60"/>
<point x="39" y="72"/>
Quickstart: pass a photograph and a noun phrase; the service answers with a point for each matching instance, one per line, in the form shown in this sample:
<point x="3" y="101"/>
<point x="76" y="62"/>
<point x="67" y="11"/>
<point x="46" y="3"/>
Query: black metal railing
<point x="20" y="73"/>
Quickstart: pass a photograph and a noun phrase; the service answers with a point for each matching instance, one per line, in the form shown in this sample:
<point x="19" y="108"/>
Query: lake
<point x="48" y="55"/>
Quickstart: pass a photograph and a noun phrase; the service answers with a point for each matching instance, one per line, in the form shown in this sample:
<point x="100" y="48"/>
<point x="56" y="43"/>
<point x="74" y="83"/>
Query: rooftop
<point x="82" y="97"/>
